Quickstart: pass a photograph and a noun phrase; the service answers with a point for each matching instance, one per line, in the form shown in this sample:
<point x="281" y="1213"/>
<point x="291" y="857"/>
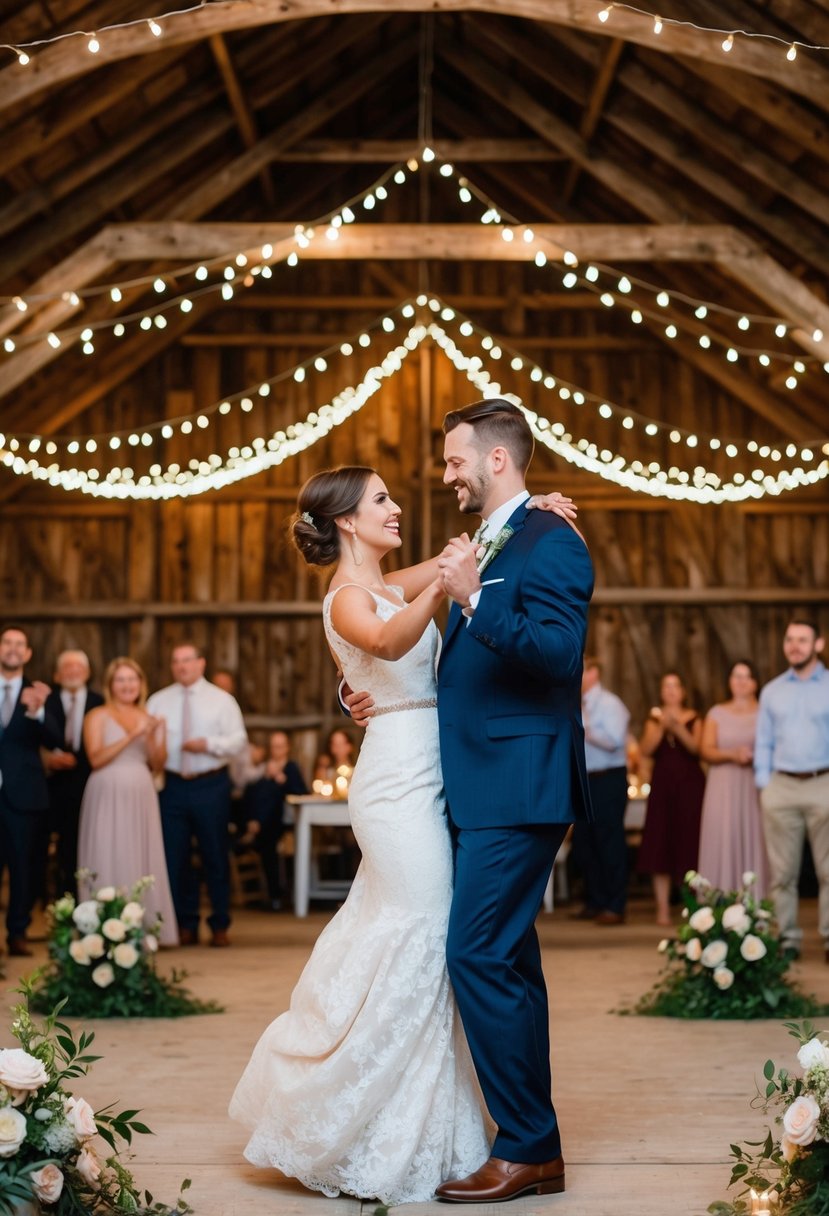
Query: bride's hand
<point x="361" y="707"/>
<point x="559" y="504"/>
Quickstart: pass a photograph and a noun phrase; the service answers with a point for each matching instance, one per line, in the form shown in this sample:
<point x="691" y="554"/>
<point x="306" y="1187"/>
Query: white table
<point x="310" y="811"/>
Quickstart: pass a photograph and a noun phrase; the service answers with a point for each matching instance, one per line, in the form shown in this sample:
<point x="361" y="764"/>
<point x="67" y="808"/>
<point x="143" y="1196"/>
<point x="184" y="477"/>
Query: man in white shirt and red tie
<point x="204" y="730"/>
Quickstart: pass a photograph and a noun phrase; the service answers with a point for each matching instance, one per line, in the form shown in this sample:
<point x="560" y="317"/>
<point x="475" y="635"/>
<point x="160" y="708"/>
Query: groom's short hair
<point x="497" y="424"/>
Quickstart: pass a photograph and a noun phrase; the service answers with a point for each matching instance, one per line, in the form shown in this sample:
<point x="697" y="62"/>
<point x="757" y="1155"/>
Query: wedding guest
<point x="225" y="679"/>
<point x="204" y="730"/>
<point x="67" y="764"/>
<point x="339" y="751"/>
<point x="600" y="848"/>
<point x="24" y="799"/>
<point x="120" y="838"/>
<point x="731" y="838"/>
<point x="264" y="805"/>
<point x="791" y="766"/>
<point x="670" y="840"/>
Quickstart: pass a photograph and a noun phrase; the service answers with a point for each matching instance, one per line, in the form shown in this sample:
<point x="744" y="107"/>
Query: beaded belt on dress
<point x="425" y="703"/>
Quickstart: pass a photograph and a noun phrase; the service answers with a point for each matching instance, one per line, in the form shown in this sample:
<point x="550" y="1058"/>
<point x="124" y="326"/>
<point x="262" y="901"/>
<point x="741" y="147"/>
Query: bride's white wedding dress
<point x="366" y="1085"/>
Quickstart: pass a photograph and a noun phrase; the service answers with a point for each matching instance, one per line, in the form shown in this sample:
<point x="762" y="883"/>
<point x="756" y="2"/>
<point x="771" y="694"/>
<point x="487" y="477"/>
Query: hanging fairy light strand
<point x="728" y="35"/>
<point x="24" y="52"/>
<point x="19" y="453"/>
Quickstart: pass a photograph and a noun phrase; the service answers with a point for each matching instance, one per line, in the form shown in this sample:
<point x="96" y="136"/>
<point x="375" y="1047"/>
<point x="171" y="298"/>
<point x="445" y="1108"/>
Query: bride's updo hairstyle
<point x="324" y="498"/>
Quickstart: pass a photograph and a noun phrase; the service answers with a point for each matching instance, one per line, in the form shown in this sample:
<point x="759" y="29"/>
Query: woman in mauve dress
<point x="120" y="836"/>
<point x="731" y="842"/>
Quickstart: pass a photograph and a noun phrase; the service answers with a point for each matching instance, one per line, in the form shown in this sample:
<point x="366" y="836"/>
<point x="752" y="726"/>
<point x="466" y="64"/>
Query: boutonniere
<point x="493" y="547"/>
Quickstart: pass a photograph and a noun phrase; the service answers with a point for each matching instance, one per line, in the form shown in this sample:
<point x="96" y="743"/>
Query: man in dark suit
<point x="24" y="799"/>
<point x="66" y="762"/>
<point x="512" y="750"/>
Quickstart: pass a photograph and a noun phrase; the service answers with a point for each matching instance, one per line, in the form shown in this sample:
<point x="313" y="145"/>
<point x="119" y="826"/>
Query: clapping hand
<point x="34" y="697"/>
<point x="194" y="745"/>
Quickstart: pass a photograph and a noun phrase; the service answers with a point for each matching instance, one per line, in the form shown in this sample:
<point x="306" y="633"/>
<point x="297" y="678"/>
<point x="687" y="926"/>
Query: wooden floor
<point x="648" y="1106"/>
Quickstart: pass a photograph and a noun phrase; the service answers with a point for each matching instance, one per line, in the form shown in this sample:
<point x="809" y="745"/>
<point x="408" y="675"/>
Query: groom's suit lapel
<point x="516" y="521"/>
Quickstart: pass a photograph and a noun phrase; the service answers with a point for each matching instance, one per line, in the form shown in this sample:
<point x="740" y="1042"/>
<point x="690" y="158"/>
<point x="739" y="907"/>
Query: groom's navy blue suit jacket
<point x="509" y="681"/>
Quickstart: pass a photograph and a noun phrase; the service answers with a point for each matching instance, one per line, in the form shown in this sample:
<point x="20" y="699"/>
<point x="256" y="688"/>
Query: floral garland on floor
<point x="50" y="1161"/>
<point x="727" y="960"/>
<point x="792" y="1171"/>
<point x="102" y="961"/>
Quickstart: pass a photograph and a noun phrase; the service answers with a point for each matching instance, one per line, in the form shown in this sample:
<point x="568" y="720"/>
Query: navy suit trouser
<point x="19" y="835"/>
<point x="494" y="962"/>
<point x="197" y="808"/>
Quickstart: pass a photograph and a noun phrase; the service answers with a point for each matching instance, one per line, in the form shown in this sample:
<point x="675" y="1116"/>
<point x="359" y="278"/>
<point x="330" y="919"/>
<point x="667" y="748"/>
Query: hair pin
<point x="309" y="519"/>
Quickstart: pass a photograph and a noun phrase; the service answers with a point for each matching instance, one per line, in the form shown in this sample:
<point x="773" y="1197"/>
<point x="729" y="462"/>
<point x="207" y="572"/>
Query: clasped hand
<point x="458" y="566"/>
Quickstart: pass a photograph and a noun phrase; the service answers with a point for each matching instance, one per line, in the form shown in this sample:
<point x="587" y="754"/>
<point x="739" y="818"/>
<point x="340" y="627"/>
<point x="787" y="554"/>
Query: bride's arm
<point x="354" y="616"/>
<point x="414" y="579"/>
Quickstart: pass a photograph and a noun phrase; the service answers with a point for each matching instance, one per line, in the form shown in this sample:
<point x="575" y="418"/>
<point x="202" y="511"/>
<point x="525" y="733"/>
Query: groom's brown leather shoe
<point x="497" y="1180"/>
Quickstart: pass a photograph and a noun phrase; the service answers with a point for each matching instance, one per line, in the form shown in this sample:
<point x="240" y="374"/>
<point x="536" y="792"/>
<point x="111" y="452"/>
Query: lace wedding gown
<point x="366" y="1085"/>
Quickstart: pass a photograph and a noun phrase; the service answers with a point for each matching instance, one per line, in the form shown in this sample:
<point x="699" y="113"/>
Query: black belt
<point x="211" y="772"/>
<point x="817" y="772"/>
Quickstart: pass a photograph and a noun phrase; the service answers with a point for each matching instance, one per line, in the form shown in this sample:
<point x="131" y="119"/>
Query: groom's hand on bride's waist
<point x="359" y="704"/>
<point x="458" y="565"/>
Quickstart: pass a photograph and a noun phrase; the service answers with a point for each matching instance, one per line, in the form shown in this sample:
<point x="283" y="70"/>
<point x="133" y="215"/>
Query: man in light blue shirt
<point x="600" y="848"/>
<point x="791" y="767"/>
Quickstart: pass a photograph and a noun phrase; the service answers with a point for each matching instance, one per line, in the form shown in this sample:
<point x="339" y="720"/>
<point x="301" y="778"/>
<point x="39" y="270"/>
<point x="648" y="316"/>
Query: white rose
<point x="693" y="950"/>
<point x="12" y="1130"/>
<point x="702" y="920"/>
<point x="723" y="977"/>
<point x="114" y="929"/>
<point x="80" y="1116"/>
<point x="88" y="1165"/>
<point x="132" y="914"/>
<point x="736" y="919"/>
<point x="103" y="975"/>
<point x="800" y="1120"/>
<point x="752" y="948"/>
<point x="812" y="1053"/>
<point x="151" y="943"/>
<point x="714" y="954"/>
<point x="663" y="945"/>
<point x="86" y="916"/>
<point x="94" y="945"/>
<point x="64" y="907"/>
<point x="106" y="894"/>
<point x="47" y="1183"/>
<point x="789" y="1149"/>
<point x="78" y="952"/>
<point x="749" y="877"/>
<point x="125" y="955"/>
<point x="21" y="1073"/>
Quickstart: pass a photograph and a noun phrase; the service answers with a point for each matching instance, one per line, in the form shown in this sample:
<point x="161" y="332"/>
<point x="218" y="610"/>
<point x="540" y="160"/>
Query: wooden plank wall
<point x="136" y="578"/>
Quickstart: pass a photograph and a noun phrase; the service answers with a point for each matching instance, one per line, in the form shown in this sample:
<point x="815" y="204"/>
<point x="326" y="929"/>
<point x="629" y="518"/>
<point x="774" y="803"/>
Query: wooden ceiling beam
<point x="70" y="58"/>
<point x="605" y="74"/>
<point x="308" y="341"/>
<point x="451" y="242"/>
<point x="389" y="151"/>
<point x="242" y="112"/>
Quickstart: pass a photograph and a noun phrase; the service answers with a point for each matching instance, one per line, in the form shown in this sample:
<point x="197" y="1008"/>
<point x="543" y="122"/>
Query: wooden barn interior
<point x="214" y="229"/>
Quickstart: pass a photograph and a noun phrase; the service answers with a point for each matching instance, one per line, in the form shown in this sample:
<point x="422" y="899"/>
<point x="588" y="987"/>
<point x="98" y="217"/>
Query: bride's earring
<point x="356" y="555"/>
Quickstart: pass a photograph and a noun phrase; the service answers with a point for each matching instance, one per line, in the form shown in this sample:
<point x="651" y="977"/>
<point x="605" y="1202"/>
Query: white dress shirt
<point x="214" y="716"/>
<point x="491" y="527"/>
<point x="80" y="708"/>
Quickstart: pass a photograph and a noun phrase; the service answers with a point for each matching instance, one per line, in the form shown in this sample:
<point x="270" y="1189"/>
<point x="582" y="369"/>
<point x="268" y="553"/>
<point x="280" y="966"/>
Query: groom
<point x="512" y="750"/>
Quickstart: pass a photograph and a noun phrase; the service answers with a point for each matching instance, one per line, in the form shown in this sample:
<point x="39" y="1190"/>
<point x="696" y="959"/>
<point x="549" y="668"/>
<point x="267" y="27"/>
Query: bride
<point x="366" y="1085"/>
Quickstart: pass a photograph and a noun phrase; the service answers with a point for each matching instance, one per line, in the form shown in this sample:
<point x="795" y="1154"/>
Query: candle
<point x="764" y="1208"/>
<point x="755" y="1203"/>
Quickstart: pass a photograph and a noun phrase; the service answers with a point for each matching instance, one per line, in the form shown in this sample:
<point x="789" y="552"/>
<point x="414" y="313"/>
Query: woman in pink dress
<point x="731" y="840"/>
<point x="120" y="836"/>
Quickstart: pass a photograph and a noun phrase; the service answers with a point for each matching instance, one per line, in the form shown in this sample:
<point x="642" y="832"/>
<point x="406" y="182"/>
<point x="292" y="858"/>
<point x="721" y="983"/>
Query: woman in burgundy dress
<point x="670" y="841"/>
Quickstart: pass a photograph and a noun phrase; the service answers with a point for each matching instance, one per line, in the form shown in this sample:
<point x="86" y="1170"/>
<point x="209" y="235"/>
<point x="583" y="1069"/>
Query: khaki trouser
<point x="791" y="808"/>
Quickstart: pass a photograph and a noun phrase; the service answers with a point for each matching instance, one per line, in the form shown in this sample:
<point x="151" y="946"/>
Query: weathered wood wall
<point x="690" y="587"/>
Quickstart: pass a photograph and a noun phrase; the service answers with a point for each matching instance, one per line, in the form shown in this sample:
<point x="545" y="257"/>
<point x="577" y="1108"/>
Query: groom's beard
<point x="477" y="489"/>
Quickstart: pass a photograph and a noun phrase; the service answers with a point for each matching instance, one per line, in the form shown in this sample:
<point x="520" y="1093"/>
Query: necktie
<point x="7" y="707"/>
<point x="69" y="730"/>
<point x="186" y="732"/>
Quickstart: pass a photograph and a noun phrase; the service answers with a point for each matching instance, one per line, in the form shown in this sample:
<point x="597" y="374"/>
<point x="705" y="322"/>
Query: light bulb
<point x="791" y="53"/>
<point x="657" y="25"/>
<point x="22" y="58"/>
<point x="728" y="43"/>
<point x="93" y="46"/>
<point x="155" y="28"/>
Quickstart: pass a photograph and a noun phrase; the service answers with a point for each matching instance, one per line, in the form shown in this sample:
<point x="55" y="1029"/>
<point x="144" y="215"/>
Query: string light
<point x="604" y="15"/>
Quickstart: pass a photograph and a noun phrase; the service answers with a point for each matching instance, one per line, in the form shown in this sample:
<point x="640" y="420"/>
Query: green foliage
<point x="118" y="979"/>
<point x="726" y="961"/>
<point x="52" y="1140"/>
